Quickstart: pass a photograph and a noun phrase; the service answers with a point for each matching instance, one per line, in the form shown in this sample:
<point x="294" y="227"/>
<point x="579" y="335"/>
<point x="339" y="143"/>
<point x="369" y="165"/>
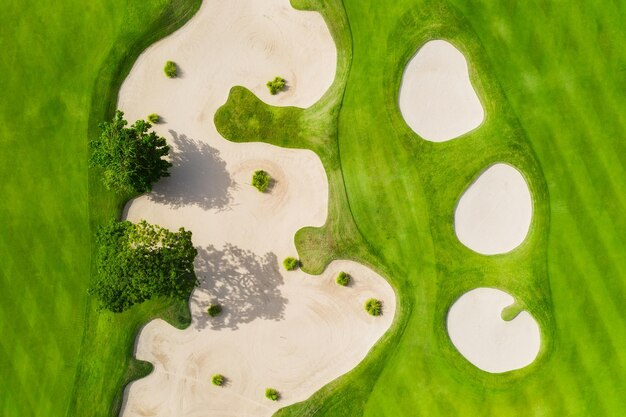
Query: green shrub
<point x="374" y="307"/>
<point x="343" y="279"/>
<point x="291" y="263"/>
<point x="170" y="69"/>
<point x="153" y="118"/>
<point x="276" y="85"/>
<point x="272" y="394"/>
<point x="261" y="180"/>
<point x="214" y="310"/>
<point x="218" y="380"/>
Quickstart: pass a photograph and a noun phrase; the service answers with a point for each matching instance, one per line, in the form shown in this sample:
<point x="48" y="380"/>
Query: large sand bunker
<point x="437" y="99"/>
<point x="286" y="330"/>
<point x="477" y="330"/>
<point x="494" y="214"/>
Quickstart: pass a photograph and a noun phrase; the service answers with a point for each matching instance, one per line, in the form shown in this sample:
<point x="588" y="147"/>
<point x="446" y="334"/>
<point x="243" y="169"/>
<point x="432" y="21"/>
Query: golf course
<point x="392" y="208"/>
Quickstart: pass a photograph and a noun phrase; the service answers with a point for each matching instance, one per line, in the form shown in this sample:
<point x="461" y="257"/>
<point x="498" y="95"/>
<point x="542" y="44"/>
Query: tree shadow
<point x="198" y="177"/>
<point x="244" y="284"/>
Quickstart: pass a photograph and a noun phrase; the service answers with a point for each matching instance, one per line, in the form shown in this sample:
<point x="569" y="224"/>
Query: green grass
<point x="551" y="80"/>
<point x="62" y="72"/>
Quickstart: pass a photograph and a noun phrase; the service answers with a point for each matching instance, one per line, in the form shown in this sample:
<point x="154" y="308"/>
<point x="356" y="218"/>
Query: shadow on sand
<point x="244" y="284"/>
<point x="198" y="177"/>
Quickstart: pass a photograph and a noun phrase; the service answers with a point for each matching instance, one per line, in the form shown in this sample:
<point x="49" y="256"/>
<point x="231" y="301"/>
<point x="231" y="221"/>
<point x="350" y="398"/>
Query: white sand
<point x="286" y="330"/>
<point x="493" y="216"/>
<point x="437" y="99"/>
<point x="477" y="330"/>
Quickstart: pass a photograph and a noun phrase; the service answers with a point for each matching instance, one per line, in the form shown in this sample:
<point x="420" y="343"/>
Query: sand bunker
<point x="494" y="214"/>
<point x="437" y="99"/>
<point x="477" y="330"/>
<point x="285" y="330"/>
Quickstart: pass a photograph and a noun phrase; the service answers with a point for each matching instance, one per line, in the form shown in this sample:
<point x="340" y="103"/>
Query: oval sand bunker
<point x="494" y="214"/>
<point x="437" y="99"/>
<point x="477" y="330"/>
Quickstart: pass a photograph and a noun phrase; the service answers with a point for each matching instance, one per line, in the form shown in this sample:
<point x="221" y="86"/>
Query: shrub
<point x="291" y="263"/>
<point x="214" y="310"/>
<point x="218" y="380"/>
<point x="170" y="69"/>
<point x="374" y="307"/>
<point x="153" y="118"/>
<point x="343" y="279"/>
<point x="276" y="85"/>
<point x="272" y="394"/>
<point x="261" y="180"/>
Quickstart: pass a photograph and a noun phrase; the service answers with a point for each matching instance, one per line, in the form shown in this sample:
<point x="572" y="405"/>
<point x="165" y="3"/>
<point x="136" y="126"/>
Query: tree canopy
<point x="136" y="262"/>
<point x="131" y="157"/>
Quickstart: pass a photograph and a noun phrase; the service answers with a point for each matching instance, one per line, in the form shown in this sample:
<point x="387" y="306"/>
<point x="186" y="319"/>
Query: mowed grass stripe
<point x="579" y="178"/>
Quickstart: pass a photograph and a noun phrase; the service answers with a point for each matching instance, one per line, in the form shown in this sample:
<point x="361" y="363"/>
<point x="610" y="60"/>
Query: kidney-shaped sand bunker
<point x="477" y="330"/>
<point x="437" y="99"/>
<point x="493" y="216"/>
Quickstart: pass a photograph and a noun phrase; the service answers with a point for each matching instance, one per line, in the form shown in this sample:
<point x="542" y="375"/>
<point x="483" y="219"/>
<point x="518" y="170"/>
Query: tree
<point x="136" y="262"/>
<point x="132" y="158"/>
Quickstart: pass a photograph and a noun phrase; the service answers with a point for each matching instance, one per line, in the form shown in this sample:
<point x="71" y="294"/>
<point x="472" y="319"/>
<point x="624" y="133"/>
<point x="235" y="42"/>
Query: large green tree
<point x="131" y="157"/>
<point x="136" y="262"/>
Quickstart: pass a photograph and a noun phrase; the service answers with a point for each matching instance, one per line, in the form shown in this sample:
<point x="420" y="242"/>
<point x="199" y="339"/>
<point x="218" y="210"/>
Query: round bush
<point x="170" y="69"/>
<point x="374" y="307"/>
<point x="276" y="85"/>
<point x="261" y="180"/>
<point x="291" y="263"/>
<point x="272" y="394"/>
<point x="343" y="279"/>
<point x="153" y="118"/>
<point x="218" y="380"/>
<point x="214" y="310"/>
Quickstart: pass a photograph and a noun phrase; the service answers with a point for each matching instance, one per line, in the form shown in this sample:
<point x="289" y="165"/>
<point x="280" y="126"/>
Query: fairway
<point x="550" y="78"/>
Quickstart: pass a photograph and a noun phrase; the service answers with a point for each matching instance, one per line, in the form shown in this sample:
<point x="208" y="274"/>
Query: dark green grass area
<point x="62" y="65"/>
<point x="551" y="80"/>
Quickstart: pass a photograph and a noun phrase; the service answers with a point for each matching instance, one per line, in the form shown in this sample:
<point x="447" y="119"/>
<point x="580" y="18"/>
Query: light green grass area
<point x="62" y="64"/>
<point x="551" y="79"/>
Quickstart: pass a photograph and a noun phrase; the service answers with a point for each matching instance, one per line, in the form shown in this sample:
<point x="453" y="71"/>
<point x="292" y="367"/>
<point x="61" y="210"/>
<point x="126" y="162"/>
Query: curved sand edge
<point x="479" y="333"/>
<point x="437" y="99"/>
<point x="287" y="330"/>
<point x="494" y="214"/>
